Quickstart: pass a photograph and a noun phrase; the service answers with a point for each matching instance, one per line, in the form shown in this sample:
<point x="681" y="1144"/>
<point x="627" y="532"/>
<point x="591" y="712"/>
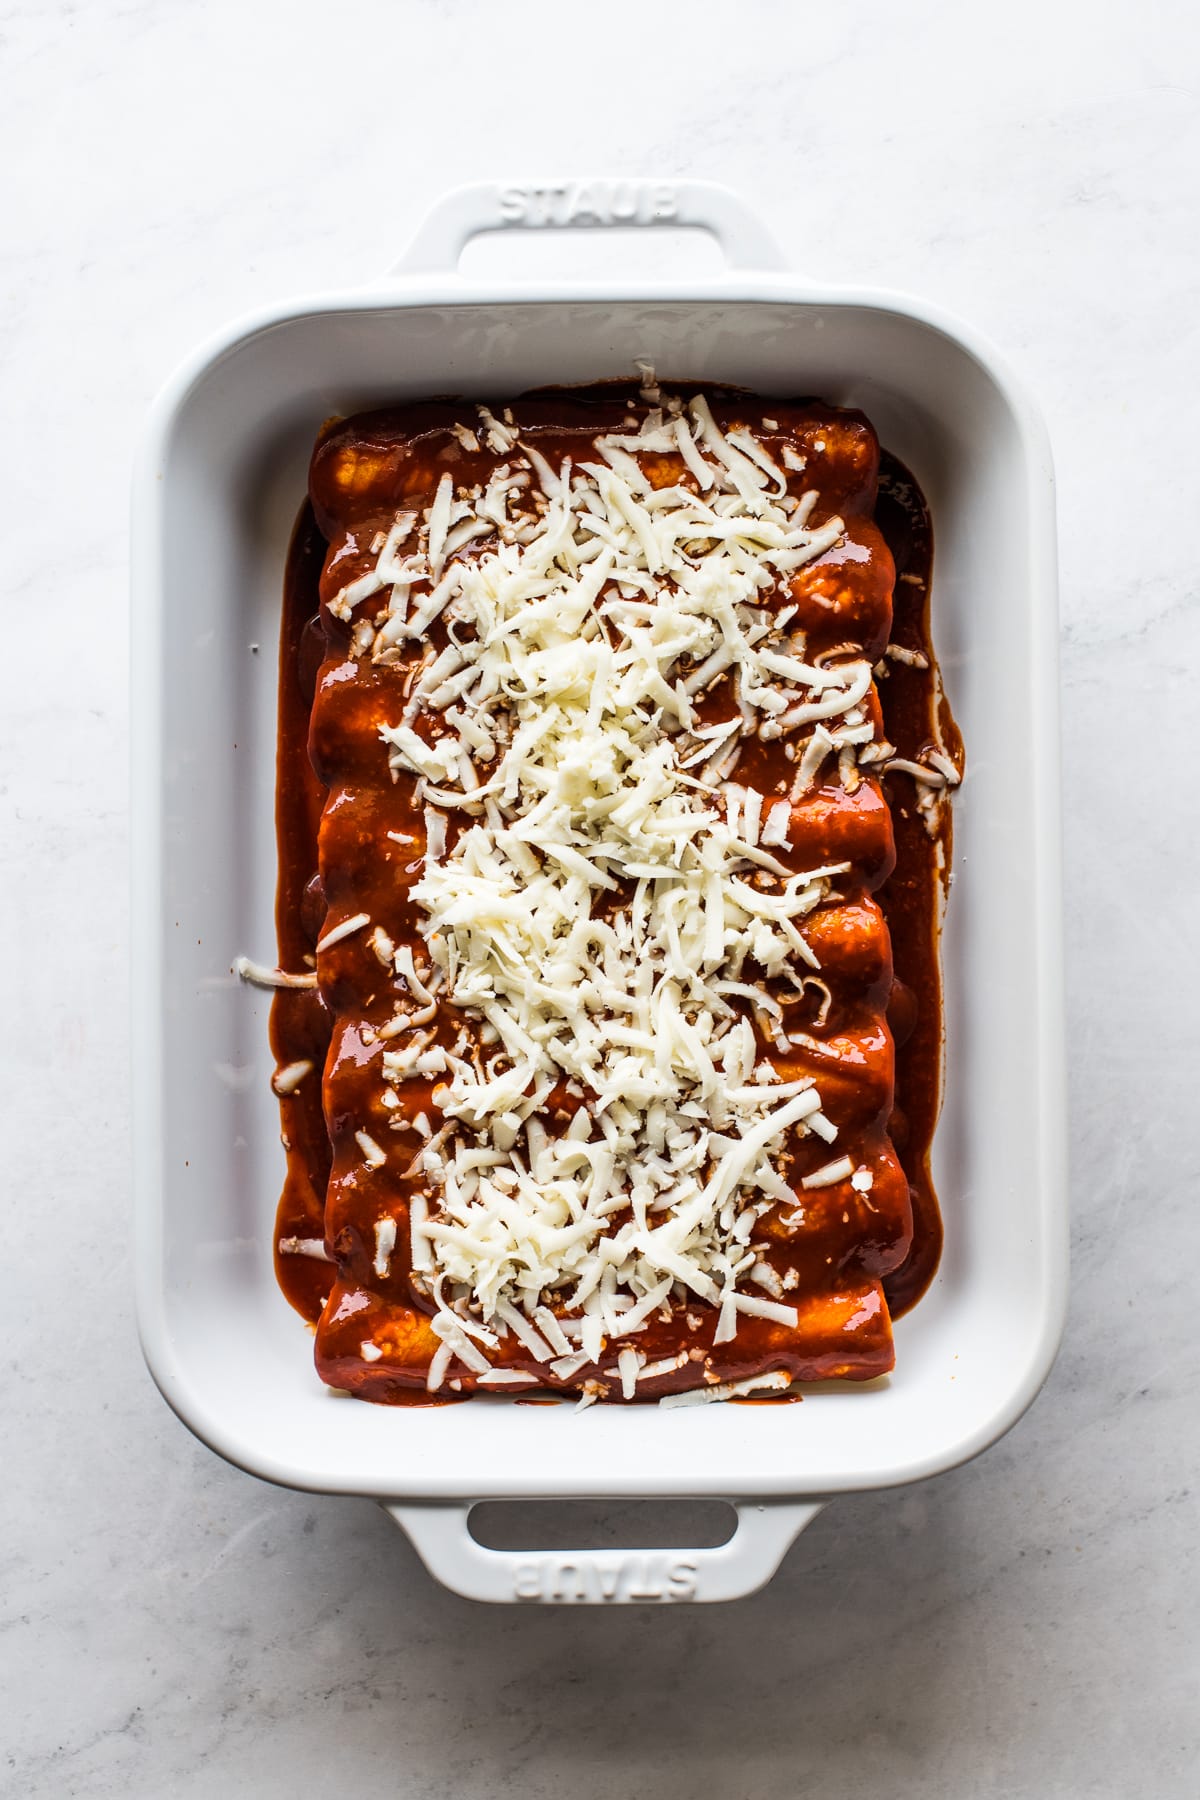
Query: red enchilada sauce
<point x="914" y="718"/>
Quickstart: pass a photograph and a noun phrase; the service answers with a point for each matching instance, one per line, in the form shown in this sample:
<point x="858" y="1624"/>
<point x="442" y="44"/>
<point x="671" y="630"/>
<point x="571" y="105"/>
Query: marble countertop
<point x="1022" y="1629"/>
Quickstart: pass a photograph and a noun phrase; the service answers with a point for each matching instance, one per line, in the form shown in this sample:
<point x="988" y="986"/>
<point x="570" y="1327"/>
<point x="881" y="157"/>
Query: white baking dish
<point x="221" y="474"/>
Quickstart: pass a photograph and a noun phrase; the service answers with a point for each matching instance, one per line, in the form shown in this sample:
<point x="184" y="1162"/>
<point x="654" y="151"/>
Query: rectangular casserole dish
<point x="220" y="478"/>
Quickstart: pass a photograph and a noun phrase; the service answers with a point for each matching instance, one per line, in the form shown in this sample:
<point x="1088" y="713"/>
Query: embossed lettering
<point x="586" y="208"/>
<point x="608" y="1580"/>
<point x="643" y="1583"/>
<point x="544" y="204"/>
<point x="589" y="206"/>
<point x="570" y="1583"/>
<point x="647" y="1578"/>
<point x="664" y="201"/>
<point x="601" y="203"/>
<point x="681" y="1579"/>
<point x="527" y="1582"/>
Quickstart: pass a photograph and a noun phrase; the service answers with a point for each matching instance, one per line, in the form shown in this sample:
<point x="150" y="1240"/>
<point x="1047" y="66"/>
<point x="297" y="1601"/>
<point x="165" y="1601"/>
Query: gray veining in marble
<point x="1022" y="1629"/>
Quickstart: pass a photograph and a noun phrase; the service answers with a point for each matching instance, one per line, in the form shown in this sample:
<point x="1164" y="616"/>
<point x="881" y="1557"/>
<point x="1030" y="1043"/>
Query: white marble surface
<point x="1025" y="1627"/>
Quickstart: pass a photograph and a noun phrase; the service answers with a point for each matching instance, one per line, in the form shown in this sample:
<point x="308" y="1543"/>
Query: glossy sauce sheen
<point x="859" y="1265"/>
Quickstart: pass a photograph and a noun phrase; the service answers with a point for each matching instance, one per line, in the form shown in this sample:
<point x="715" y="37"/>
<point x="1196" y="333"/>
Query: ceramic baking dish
<point x="220" y="478"/>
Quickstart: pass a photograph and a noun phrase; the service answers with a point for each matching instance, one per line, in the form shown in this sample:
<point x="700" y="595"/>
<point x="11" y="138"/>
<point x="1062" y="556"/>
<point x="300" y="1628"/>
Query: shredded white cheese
<point x="287" y="1079"/>
<point x="913" y="659"/>
<point x="385" y="1243"/>
<point x="346" y="929"/>
<point x="439" y="1365"/>
<point x="373" y="1154"/>
<point x="629" y="1363"/>
<point x="945" y="767"/>
<point x="259" y="975"/>
<point x="829" y="1174"/>
<point x="298" y="1246"/>
<point x="776" y="1379"/>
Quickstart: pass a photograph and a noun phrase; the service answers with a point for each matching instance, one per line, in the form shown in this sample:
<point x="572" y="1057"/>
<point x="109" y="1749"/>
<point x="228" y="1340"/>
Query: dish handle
<point x="765" y="1531"/>
<point x="487" y="206"/>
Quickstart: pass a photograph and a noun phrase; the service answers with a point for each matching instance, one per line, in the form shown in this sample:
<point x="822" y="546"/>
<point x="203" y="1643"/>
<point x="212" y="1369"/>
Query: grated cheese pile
<point x="596" y="887"/>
